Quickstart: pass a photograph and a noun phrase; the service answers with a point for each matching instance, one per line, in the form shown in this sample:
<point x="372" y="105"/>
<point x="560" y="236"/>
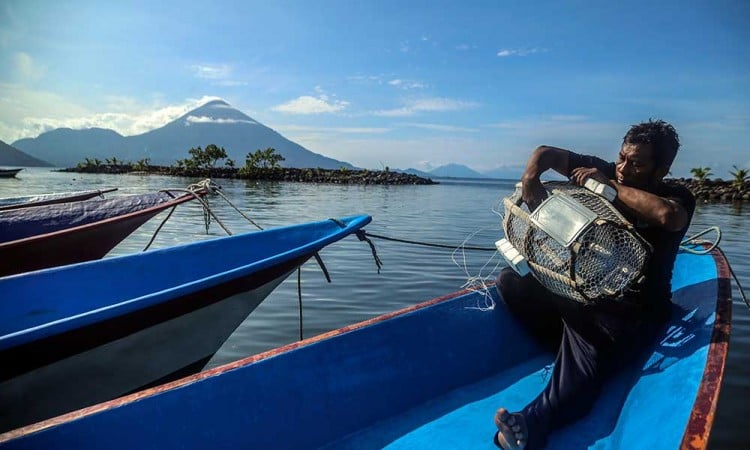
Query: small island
<point x="261" y="165"/>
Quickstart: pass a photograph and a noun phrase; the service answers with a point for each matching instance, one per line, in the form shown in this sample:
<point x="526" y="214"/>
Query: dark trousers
<point x="589" y="340"/>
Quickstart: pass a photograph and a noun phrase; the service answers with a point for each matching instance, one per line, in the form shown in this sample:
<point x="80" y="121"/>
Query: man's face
<point x="635" y="166"/>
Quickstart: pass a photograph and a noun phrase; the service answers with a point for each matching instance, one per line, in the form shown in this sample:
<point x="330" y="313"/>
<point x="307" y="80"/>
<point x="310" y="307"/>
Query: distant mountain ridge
<point x="455" y="171"/>
<point x="215" y="122"/>
<point x="460" y="171"/>
<point x="11" y="156"/>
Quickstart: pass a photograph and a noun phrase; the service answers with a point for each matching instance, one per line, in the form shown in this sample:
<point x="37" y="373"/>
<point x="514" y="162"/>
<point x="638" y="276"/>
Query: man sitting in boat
<point x="590" y="340"/>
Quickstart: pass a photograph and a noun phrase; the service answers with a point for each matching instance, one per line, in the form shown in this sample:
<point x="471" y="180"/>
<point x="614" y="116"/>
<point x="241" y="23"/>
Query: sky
<point x="391" y="83"/>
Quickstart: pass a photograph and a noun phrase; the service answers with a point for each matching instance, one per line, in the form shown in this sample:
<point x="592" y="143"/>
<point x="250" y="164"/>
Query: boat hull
<point x="9" y="173"/>
<point x="80" y="334"/>
<point x="429" y="376"/>
<point x="127" y="353"/>
<point x="84" y="242"/>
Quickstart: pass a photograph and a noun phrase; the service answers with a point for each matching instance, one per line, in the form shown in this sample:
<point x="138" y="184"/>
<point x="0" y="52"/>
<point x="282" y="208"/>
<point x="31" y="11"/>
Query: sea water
<point x="452" y="213"/>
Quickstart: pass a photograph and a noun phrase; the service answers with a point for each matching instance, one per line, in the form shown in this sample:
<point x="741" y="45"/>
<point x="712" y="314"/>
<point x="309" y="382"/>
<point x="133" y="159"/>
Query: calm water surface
<point x="450" y="213"/>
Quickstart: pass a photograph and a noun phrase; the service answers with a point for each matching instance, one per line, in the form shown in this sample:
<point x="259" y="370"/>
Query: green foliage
<point x="740" y="176"/>
<point x="701" y="173"/>
<point x="230" y="163"/>
<point x="89" y="163"/>
<point x="142" y="165"/>
<point x="263" y="159"/>
<point x="207" y="158"/>
<point x="187" y="164"/>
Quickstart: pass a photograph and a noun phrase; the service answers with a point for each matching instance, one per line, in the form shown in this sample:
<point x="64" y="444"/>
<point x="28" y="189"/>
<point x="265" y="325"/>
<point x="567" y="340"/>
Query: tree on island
<point x="142" y="165"/>
<point x="740" y="177"/>
<point x="701" y="173"/>
<point x="263" y="159"/>
<point x="207" y="159"/>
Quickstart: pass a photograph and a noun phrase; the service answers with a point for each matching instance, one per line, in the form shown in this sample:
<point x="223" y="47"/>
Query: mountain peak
<point x="215" y="111"/>
<point x="218" y="102"/>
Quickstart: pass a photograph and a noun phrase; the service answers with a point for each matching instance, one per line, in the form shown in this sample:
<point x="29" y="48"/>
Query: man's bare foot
<point x="512" y="434"/>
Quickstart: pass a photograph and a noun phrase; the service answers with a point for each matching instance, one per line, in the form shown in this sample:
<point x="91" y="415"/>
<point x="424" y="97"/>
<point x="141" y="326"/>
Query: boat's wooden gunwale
<point x="702" y="416"/>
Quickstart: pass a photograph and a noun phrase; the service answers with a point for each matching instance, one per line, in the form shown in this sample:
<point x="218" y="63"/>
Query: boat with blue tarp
<point x="49" y="235"/>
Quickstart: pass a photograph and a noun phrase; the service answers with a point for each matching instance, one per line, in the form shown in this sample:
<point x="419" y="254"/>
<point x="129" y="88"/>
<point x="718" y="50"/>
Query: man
<point x="590" y="338"/>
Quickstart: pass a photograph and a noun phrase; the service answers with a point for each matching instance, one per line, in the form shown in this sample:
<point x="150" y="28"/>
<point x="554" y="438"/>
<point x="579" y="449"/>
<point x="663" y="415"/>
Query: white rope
<point x="477" y="282"/>
<point x="194" y="189"/>
<point x="693" y="240"/>
<point x="226" y="199"/>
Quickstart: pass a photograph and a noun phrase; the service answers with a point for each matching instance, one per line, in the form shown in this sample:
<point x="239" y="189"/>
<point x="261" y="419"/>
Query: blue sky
<point x="391" y="83"/>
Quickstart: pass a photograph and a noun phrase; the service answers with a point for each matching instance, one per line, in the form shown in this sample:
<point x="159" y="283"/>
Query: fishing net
<point x="575" y="243"/>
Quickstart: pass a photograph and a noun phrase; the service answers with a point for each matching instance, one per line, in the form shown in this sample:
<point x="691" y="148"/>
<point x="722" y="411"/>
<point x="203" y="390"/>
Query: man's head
<point x="647" y="152"/>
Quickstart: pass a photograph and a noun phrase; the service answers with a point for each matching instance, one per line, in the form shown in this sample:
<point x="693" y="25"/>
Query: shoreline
<point x="307" y="175"/>
<point x="705" y="191"/>
<point x="714" y="191"/>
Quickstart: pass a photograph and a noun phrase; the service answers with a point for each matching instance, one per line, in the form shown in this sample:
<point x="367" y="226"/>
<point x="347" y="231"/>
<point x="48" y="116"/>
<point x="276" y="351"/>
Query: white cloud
<point x="307" y="104"/>
<point x="147" y="117"/>
<point x="440" y="127"/>
<point x="211" y="71"/>
<point x="19" y="107"/>
<point x="217" y="74"/>
<point x="206" y="119"/>
<point x="427" y="105"/>
<point x="26" y="68"/>
<point x="366" y="79"/>
<point x="330" y="130"/>
<point x="519" y="52"/>
<point x="406" y="84"/>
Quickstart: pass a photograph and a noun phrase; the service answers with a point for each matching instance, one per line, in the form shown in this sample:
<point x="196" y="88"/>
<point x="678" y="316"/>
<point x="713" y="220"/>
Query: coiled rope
<point x="693" y="241"/>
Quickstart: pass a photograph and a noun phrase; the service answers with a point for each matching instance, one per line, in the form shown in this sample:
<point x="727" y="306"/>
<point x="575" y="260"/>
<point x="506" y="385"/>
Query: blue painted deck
<point x="624" y="416"/>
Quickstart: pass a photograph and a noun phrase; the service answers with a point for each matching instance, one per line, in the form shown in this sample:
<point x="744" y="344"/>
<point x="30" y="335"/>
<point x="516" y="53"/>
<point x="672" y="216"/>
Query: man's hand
<point x="532" y="192"/>
<point x="581" y="174"/>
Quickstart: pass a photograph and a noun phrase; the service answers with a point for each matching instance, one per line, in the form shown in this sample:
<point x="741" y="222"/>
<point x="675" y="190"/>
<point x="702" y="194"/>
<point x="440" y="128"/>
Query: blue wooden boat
<point x="76" y="335"/>
<point x="64" y="233"/>
<point x="429" y="376"/>
<point x="26" y="201"/>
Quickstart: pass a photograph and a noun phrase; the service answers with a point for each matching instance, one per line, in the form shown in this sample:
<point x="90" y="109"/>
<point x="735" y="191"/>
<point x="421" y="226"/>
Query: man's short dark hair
<point x="661" y="135"/>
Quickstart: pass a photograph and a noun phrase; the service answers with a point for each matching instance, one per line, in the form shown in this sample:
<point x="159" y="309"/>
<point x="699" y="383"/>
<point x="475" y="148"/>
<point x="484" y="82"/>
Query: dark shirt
<point x="657" y="290"/>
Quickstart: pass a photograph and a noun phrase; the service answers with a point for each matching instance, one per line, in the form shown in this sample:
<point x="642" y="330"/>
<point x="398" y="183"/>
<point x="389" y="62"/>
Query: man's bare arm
<point x="541" y="160"/>
<point x="648" y="207"/>
<point x="545" y="158"/>
<point x="651" y="208"/>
